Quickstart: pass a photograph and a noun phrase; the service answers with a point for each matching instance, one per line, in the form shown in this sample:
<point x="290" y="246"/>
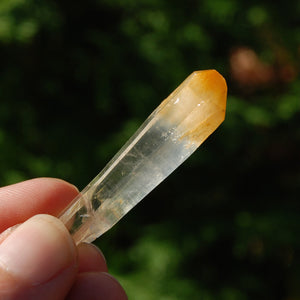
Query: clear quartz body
<point x="164" y="141"/>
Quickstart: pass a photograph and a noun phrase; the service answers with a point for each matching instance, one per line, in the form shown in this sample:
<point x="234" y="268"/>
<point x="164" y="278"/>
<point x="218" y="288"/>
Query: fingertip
<point x="43" y="195"/>
<point x="38" y="249"/>
<point x="90" y="259"/>
<point x="97" y="286"/>
<point x="64" y="184"/>
<point x="38" y="257"/>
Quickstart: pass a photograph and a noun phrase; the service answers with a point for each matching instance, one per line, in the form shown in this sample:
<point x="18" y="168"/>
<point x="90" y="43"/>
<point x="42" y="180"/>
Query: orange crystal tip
<point x="210" y="85"/>
<point x="197" y="107"/>
<point x="210" y="90"/>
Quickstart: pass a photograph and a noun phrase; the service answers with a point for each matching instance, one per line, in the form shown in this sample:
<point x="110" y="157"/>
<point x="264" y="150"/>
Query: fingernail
<point x="37" y="250"/>
<point x="7" y="232"/>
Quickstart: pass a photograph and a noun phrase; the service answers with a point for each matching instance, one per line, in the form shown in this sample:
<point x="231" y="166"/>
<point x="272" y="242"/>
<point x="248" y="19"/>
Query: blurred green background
<point x="77" y="78"/>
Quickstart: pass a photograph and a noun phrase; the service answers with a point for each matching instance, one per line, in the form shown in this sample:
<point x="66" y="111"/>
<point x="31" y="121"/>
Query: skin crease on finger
<point x="56" y="289"/>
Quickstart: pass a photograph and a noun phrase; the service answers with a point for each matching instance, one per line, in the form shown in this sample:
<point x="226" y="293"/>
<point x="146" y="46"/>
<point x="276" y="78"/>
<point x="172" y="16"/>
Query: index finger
<point x="20" y="201"/>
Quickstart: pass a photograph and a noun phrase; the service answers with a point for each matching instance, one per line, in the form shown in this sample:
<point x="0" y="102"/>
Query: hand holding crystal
<point x="38" y="258"/>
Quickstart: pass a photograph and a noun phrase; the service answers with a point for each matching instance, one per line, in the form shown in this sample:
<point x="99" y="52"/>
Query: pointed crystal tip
<point x="210" y="85"/>
<point x="197" y="106"/>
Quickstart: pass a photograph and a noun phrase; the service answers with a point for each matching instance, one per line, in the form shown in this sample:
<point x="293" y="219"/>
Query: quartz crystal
<point x="167" y="138"/>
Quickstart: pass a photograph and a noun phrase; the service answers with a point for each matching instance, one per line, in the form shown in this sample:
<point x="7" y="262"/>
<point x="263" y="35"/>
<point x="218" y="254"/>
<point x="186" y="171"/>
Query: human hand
<point x="38" y="259"/>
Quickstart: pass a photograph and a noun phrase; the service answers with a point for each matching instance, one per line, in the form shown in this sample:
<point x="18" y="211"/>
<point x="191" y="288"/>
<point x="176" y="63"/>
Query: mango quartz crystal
<point x="165" y="140"/>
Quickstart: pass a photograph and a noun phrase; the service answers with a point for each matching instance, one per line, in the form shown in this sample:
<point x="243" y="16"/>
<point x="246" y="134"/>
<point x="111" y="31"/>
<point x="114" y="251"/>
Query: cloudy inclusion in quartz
<point x="166" y="139"/>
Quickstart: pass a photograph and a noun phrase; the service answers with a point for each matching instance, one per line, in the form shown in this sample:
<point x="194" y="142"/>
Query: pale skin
<point x="38" y="258"/>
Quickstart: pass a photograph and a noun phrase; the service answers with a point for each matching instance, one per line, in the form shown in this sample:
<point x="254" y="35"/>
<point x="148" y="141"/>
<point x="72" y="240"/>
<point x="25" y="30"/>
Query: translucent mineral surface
<point x="166" y="139"/>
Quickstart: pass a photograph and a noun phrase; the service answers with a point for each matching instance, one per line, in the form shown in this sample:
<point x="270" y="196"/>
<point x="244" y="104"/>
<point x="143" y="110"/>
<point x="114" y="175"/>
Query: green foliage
<point x="78" y="78"/>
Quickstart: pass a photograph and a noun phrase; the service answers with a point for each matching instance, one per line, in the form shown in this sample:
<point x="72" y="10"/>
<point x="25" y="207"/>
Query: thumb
<point x="37" y="260"/>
